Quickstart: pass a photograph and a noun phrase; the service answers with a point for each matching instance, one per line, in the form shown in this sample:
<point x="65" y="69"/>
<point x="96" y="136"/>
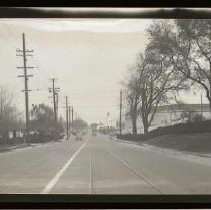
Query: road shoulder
<point x="185" y="155"/>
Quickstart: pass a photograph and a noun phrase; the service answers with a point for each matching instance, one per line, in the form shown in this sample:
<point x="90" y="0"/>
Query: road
<point x="99" y="165"/>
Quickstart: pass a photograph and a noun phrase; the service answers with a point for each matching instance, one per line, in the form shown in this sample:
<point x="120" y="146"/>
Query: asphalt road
<point x="99" y="165"/>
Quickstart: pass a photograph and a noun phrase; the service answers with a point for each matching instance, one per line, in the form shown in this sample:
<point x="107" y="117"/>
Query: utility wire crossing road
<point x="99" y="165"/>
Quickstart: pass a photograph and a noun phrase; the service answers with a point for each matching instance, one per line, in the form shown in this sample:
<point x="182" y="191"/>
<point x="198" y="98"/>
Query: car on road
<point x="78" y="137"/>
<point x="94" y="133"/>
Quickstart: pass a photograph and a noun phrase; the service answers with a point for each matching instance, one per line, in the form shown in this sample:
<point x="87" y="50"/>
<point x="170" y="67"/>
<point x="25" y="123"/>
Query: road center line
<point x="55" y="179"/>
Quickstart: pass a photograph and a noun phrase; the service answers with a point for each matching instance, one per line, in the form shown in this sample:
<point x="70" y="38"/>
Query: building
<point x="169" y="115"/>
<point x="107" y="129"/>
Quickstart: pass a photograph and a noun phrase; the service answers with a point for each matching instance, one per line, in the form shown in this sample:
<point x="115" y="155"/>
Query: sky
<point x="88" y="57"/>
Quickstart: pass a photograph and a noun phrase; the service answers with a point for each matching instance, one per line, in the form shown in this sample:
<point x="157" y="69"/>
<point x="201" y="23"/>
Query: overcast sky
<point x="89" y="58"/>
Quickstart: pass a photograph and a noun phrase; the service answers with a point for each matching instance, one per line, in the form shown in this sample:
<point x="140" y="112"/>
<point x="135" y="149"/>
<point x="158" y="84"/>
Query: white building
<point x="170" y="115"/>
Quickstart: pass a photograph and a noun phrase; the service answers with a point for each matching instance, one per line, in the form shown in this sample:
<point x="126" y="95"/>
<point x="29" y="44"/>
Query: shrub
<point x="198" y="118"/>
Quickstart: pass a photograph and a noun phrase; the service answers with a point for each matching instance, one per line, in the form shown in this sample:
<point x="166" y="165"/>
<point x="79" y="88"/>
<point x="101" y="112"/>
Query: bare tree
<point x="194" y="47"/>
<point x="132" y="95"/>
<point x="8" y="112"/>
<point x="158" y="76"/>
<point x="188" y="44"/>
<point x="151" y="94"/>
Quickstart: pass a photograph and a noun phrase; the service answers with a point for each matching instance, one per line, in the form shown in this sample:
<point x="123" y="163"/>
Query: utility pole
<point x="67" y="121"/>
<point x="54" y="91"/>
<point x="72" y="115"/>
<point x="25" y="53"/>
<point x="54" y="99"/>
<point x="57" y="105"/>
<point x="72" y="118"/>
<point x="69" y="112"/>
<point x="120" y="114"/>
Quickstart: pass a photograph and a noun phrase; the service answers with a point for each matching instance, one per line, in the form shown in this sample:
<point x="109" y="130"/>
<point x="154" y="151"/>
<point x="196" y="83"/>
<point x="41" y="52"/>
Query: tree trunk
<point x="134" y="124"/>
<point x="146" y="129"/>
<point x="210" y="106"/>
<point x="209" y="93"/>
<point x="146" y="126"/>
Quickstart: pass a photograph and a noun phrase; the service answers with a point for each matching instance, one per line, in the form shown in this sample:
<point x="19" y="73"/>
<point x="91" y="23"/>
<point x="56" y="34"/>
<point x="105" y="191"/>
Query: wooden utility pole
<point x="54" y="100"/>
<point x="72" y="115"/>
<point x="120" y="114"/>
<point x="72" y="119"/>
<point x="24" y="53"/>
<point x="67" y="121"/>
<point x="69" y="112"/>
<point x="57" y="106"/>
<point x="54" y="91"/>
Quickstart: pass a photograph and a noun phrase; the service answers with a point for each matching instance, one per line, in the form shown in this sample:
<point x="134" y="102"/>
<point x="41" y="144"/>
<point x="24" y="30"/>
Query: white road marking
<point x="55" y="179"/>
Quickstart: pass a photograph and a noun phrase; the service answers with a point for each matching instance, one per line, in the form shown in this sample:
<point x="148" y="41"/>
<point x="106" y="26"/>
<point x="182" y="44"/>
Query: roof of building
<point x="184" y="107"/>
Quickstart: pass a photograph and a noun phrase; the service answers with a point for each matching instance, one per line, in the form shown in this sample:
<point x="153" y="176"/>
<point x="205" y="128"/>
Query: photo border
<point x="52" y="201"/>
